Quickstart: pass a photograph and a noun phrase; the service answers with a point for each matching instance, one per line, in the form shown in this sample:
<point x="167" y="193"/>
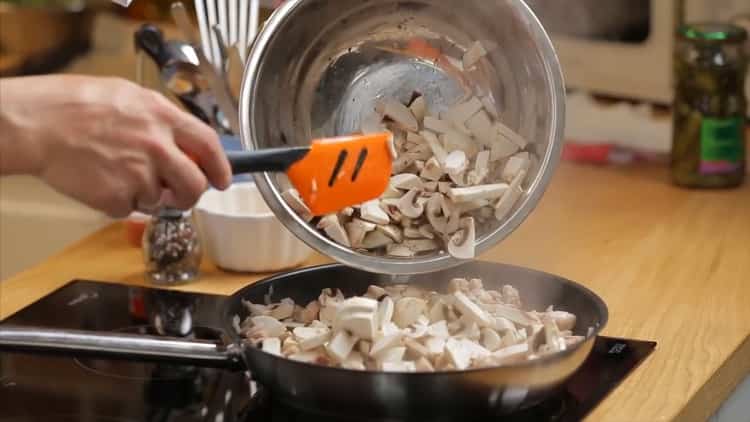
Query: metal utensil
<point x="213" y="19"/>
<point x="367" y="394"/>
<point x="223" y="26"/>
<point x="234" y="10"/>
<point x="223" y="46"/>
<point x="332" y="78"/>
<point x="235" y="68"/>
<point x="181" y="78"/>
<point x="205" y="31"/>
<point x="217" y="84"/>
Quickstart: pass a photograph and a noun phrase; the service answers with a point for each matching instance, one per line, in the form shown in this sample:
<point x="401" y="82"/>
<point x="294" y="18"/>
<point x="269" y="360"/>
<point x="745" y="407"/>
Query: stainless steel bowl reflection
<point x="318" y="66"/>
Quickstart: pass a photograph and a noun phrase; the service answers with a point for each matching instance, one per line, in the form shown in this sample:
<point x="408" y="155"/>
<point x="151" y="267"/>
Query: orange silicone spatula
<point x="331" y="173"/>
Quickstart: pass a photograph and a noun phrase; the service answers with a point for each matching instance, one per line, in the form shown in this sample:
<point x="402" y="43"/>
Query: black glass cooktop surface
<point x="52" y="388"/>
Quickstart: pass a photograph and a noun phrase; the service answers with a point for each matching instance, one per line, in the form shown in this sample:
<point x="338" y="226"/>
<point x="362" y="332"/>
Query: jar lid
<point x="713" y="32"/>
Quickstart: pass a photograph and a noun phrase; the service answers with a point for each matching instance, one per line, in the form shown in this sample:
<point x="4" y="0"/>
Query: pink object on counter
<point x="606" y="153"/>
<point x="135" y="225"/>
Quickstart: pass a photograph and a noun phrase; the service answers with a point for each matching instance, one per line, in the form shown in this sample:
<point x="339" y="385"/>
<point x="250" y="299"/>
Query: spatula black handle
<point x="265" y="160"/>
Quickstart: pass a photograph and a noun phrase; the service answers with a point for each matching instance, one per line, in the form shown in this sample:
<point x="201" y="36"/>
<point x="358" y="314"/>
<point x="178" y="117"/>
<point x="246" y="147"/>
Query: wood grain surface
<point x="672" y="265"/>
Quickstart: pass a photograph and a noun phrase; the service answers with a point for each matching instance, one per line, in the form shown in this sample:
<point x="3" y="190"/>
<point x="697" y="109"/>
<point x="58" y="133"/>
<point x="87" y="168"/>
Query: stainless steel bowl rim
<point x="382" y="264"/>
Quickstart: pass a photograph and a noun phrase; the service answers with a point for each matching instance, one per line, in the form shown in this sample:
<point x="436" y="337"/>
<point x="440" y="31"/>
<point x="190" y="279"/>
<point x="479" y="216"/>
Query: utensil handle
<point x="118" y="345"/>
<point x="151" y="40"/>
<point x="266" y="160"/>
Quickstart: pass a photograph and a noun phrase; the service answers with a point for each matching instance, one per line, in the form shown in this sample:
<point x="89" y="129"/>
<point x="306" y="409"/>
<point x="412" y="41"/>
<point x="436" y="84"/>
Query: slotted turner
<point x="331" y="173"/>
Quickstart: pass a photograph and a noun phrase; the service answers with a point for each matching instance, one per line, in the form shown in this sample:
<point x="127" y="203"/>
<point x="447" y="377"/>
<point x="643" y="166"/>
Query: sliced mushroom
<point x="502" y="149"/>
<point x="409" y="206"/>
<point x="474" y="193"/>
<point x="402" y="164"/>
<point x="461" y="244"/>
<point x="511" y="135"/>
<point x="426" y="231"/>
<point x="399" y="113"/>
<point x="509" y="199"/>
<point x="511" y="296"/>
<point x="408" y="310"/>
<point x="418" y="108"/>
<point x="455" y="162"/>
<point x="511" y="313"/>
<point x="423" y="365"/>
<point x="390" y="206"/>
<point x="473" y="311"/>
<point x="458" y="352"/>
<point x="341" y="345"/>
<point x="511" y="354"/>
<point x="406" y="181"/>
<point x="371" y="211"/>
<point x="517" y="164"/>
<point x="333" y="228"/>
<point x="414" y="139"/>
<point x="444" y="187"/>
<point x="392" y="232"/>
<point x="564" y="320"/>
<point x="553" y="339"/>
<point x="465" y="207"/>
<point x="354" y="361"/>
<point x="481" y="168"/>
<point x="437" y="125"/>
<point x="356" y="231"/>
<point x="460" y="113"/>
<point x="295" y="202"/>
<point x="399" y="251"/>
<point x="489" y="104"/>
<point x="271" y="327"/>
<point x="434" y="214"/>
<point x="390" y="193"/>
<point x="311" y="337"/>
<point x="412" y="233"/>
<point x="283" y="310"/>
<point x="434" y="143"/>
<point x="490" y="339"/>
<point x="375" y="292"/>
<point x="432" y="170"/>
<point x="392" y="355"/>
<point x="376" y="239"/>
<point x="453" y="140"/>
<point x="395" y="144"/>
<point x="256" y="309"/>
<point x="459" y="179"/>
<point x="473" y="55"/>
<point x="417" y="153"/>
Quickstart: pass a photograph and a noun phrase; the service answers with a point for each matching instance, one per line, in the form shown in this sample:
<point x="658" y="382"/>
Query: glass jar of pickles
<point x="708" y="145"/>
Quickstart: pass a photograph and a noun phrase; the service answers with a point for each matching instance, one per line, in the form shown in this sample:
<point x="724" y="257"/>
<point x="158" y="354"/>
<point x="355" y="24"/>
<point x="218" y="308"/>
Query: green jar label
<point x="722" y="145"/>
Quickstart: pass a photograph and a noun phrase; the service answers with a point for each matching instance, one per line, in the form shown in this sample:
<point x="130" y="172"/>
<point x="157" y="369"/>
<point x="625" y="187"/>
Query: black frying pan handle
<point x="119" y="346"/>
<point x="150" y="39"/>
<point x="265" y="160"/>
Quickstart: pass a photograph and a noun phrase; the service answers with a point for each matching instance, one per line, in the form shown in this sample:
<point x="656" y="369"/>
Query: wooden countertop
<point x="672" y="265"/>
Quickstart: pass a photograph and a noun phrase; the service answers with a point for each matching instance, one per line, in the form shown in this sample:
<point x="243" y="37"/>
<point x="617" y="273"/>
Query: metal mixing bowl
<point x="318" y="66"/>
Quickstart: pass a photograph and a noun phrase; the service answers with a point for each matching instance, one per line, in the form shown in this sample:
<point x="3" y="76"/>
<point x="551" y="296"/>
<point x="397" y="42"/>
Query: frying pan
<point x="367" y="394"/>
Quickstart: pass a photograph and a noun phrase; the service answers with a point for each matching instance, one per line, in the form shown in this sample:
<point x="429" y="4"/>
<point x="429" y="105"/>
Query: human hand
<point x="108" y="143"/>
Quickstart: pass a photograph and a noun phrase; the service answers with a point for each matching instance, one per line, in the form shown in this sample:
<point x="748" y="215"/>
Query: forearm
<point x="21" y="149"/>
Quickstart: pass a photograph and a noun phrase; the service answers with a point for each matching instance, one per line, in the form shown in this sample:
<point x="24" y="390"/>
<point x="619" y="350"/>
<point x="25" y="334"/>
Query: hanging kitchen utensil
<point x="181" y="78"/>
<point x="235" y="68"/>
<point x="218" y="85"/>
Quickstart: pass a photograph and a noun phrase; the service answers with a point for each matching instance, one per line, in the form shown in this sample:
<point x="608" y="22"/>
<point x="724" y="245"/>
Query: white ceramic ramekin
<point x="240" y="233"/>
